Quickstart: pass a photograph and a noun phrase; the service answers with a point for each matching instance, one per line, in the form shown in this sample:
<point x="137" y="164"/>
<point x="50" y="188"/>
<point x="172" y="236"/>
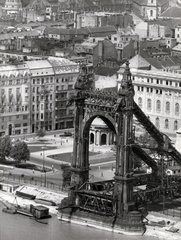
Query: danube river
<point x="19" y="227"/>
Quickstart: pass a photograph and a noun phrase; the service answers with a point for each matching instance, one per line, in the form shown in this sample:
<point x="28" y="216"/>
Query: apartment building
<point x="66" y="73"/>
<point x="34" y="94"/>
<point x="41" y="94"/>
<point x="14" y="99"/>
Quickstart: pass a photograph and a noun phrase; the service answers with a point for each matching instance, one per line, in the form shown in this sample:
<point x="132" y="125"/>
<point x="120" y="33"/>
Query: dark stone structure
<point x="112" y="205"/>
<point x="117" y="113"/>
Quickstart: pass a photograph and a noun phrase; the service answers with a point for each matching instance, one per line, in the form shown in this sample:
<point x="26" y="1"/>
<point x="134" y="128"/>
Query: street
<point x="40" y="155"/>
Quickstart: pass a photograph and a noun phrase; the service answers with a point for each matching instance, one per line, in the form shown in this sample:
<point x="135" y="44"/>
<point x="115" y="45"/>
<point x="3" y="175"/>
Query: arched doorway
<point x="103" y="139"/>
<point x="10" y="129"/>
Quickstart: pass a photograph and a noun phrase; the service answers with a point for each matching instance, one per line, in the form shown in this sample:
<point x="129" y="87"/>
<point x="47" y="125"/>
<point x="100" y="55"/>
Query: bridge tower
<point x="123" y="190"/>
<point x="84" y="204"/>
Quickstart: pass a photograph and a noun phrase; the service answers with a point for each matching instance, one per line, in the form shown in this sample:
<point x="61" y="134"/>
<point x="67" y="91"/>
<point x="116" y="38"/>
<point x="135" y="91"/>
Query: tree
<point x="5" y="147"/>
<point x="40" y="133"/>
<point x="20" y="152"/>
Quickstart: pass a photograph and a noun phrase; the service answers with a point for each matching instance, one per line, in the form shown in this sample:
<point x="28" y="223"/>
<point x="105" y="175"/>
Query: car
<point x="67" y="134"/>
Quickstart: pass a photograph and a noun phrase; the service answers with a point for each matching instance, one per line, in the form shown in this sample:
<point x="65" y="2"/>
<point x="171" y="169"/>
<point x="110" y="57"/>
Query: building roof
<point x="106" y="70"/>
<point x="137" y="62"/>
<point x="154" y="63"/>
<point x="172" y="12"/>
<point x="11" y="71"/>
<point x="23" y="34"/>
<point x="40" y="67"/>
<point x="145" y="2"/>
<point x="62" y="65"/>
<point x="38" y="64"/>
<point x="177" y="48"/>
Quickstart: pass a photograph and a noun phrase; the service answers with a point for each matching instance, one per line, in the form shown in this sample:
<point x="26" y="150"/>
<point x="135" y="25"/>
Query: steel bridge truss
<point x="98" y="197"/>
<point x="96" y="203"/>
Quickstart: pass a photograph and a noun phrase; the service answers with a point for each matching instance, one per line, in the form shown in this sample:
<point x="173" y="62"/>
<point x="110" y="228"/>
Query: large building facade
<point x="29" y="93"/>
<point x="158" y="94"/>
<point x="14" y="99"/>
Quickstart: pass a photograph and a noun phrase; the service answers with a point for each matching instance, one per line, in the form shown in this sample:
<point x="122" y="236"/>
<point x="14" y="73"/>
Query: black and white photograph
<point x="90" y="119"/>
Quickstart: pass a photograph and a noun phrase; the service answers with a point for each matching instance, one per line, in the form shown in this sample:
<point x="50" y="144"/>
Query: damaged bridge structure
<point x="113" y="205"/>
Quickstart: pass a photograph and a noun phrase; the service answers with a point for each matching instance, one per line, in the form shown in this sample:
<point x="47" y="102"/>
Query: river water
<point x="19" y="227"/>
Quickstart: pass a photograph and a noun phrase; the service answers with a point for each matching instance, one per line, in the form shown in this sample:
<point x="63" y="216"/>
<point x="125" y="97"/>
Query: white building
<point x="158" y="94"/>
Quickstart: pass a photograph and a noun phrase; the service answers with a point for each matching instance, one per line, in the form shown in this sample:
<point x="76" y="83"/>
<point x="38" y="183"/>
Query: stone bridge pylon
<point x="113" y="208"/>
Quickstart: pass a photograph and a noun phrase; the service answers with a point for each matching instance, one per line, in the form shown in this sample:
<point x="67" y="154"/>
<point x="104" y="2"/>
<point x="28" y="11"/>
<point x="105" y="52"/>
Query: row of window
<point x="41" y="116"/>
<point x="14" y="82"/>
<point x="17" y="109"/>
<point x="38" y="107"/>
<point x="43" y="80"/>
<point x="159" y="82"/>
<point x="158" y="105"/>
<point x="10" y="91"/>
<point x="166" y="124"/>
<point x="158" y="91"/>
<point x="25" y="117"/>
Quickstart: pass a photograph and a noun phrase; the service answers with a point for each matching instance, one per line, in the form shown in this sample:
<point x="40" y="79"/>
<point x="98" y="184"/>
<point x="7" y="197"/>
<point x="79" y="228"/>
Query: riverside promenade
<point x="63" y="146"/>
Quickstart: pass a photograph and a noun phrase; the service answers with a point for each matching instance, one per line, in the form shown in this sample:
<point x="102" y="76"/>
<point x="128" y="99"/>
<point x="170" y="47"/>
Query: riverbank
<point x="161" y="232"/>
<point x="11" y="199"/>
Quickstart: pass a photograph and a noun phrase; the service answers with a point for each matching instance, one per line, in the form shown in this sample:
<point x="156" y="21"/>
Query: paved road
<point x="99" y="171"/>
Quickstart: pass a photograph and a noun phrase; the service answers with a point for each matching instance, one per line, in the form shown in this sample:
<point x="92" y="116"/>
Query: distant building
<point x="150" y="9"/>
<point x="14" y="99"/>
<point x="100" y="134"/>
<point x="28" y="97"/>
<point x="158" y="94"/>
<point x="12" y="7"/>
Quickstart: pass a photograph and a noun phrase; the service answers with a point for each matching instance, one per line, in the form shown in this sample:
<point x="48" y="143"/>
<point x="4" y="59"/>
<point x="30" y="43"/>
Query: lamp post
<point x="44" y="170"/>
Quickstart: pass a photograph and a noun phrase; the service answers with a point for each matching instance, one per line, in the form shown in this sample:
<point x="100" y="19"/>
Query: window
<point x="26" y="90"/>
<point x="25" y="117"/>
<point x="175" y="125"/>
<point x="167" y="107"/>
<point x="70" y="87"/>
<point x="166" y="124"/>
<point x="25" y="124"/>
<point x="140" y="102"/>
<point x="17" y="125"/>
<point x="41" y="115"/>
<point x="158" y="105"/>
<point x="177" y="107"/>
<point x="151" y="13"/>
<point x="33" y="89"/>
<point x="17" y="90"/>
<point x="42" y="107"/>
<point x="157" y="123"/>
<point x="149" y="104"/>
